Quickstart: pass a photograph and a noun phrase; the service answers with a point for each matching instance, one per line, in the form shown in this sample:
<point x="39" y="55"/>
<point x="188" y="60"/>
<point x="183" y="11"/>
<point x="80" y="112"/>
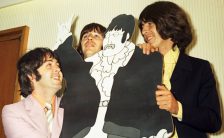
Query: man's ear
<point x="32" y="77"/>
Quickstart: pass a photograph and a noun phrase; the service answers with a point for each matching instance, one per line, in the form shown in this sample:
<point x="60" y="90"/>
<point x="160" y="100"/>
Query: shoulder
<point x="14" y="108"/>
<point x="23" y="104"/>
<point x="197" y="65"/>
<point x="198" y="61"/>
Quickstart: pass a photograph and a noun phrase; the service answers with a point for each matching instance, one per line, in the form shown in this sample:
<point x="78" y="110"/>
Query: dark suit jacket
<point x="193" y="84"/>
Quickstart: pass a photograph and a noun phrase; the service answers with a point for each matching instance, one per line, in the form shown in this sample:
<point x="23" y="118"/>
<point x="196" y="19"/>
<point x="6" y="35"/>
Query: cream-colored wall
<point x="42" y="17"/>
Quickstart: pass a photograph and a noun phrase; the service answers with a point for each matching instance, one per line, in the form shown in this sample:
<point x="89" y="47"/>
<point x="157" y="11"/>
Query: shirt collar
<point x="172" y="55"/>
<point x="41" y="101"/>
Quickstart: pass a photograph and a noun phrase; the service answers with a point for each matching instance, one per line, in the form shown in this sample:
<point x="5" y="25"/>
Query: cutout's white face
<point x="112" y="42"/>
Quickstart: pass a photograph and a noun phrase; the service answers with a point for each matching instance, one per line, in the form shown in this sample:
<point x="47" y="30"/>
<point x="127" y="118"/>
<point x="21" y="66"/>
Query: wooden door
<point x="13" y="44"/>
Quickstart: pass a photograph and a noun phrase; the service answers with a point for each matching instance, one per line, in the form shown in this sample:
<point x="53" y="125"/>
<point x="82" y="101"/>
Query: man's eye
<point x="97" y="36"/>
<point x="150" y="24"/>
<point x="49" y="65"/>
<point x="58" y="65"/>
<point x="84" y="36"/>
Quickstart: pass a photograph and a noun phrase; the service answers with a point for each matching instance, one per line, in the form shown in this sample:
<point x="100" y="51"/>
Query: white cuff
<point x="179" y="113"/>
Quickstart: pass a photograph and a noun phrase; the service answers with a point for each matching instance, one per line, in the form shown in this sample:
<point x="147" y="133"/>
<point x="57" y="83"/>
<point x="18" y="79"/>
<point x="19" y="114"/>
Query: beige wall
<point x="42" y="17"/>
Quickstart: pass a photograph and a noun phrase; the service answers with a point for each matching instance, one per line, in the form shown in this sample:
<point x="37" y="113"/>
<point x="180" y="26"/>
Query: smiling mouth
<point x="56" y="77"/>
<point x="148" y="38"/>
<point x="109" y="46"/>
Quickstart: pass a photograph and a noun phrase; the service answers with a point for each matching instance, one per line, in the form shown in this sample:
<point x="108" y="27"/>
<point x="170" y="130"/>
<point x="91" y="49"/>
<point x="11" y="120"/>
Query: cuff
<point x="179" y="113"/>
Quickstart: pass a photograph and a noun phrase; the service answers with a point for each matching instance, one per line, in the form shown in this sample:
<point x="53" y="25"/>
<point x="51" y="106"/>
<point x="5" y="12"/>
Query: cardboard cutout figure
<point x="113" y="93"/>
<point x="116" y="53"/>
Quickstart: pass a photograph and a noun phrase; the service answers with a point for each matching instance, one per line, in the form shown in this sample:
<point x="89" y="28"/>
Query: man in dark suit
<point x="189" y="91"/>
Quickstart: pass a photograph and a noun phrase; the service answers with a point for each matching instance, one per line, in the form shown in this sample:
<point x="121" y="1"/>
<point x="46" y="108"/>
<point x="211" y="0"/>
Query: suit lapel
<point x="58" y="119"/>
<point x="36" y="114"/>
<point x="180" y="73"/>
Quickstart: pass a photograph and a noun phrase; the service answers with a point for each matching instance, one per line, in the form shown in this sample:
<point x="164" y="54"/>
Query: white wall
<point x="42" y="17"/>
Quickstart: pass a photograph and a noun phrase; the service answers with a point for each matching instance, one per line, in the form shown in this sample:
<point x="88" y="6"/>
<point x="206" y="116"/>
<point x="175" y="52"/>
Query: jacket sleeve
<point x="206" y="115"/>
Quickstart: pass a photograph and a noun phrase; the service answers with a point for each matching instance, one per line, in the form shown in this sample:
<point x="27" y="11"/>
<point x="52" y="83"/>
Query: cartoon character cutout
<point x="109" y="63"/>
<point x="116" y="53"/>
<point x="118" y="99"/>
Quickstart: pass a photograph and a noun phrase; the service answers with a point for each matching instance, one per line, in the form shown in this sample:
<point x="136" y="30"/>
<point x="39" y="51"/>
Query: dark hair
<point x="28" y="65"/>
<point x="88" y="28"/>
<point x="170" y="20"/>
<point x="124" y="22"/>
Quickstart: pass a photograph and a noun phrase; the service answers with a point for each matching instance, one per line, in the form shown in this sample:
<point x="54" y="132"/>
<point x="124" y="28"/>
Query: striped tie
<point x="49" y="115"/>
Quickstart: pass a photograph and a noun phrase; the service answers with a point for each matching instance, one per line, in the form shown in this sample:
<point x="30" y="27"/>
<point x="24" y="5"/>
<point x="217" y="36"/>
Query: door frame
<point x="22" y="34"/>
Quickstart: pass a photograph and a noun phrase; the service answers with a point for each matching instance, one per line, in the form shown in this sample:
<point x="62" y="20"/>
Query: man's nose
<point x="144" y="31"/>
<point x="90" y="36"/>
<point x="57" y="68"/>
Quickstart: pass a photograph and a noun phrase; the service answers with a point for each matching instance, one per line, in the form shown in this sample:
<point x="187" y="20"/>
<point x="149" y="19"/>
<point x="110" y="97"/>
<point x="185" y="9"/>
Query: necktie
<point x="49" y="115"/>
